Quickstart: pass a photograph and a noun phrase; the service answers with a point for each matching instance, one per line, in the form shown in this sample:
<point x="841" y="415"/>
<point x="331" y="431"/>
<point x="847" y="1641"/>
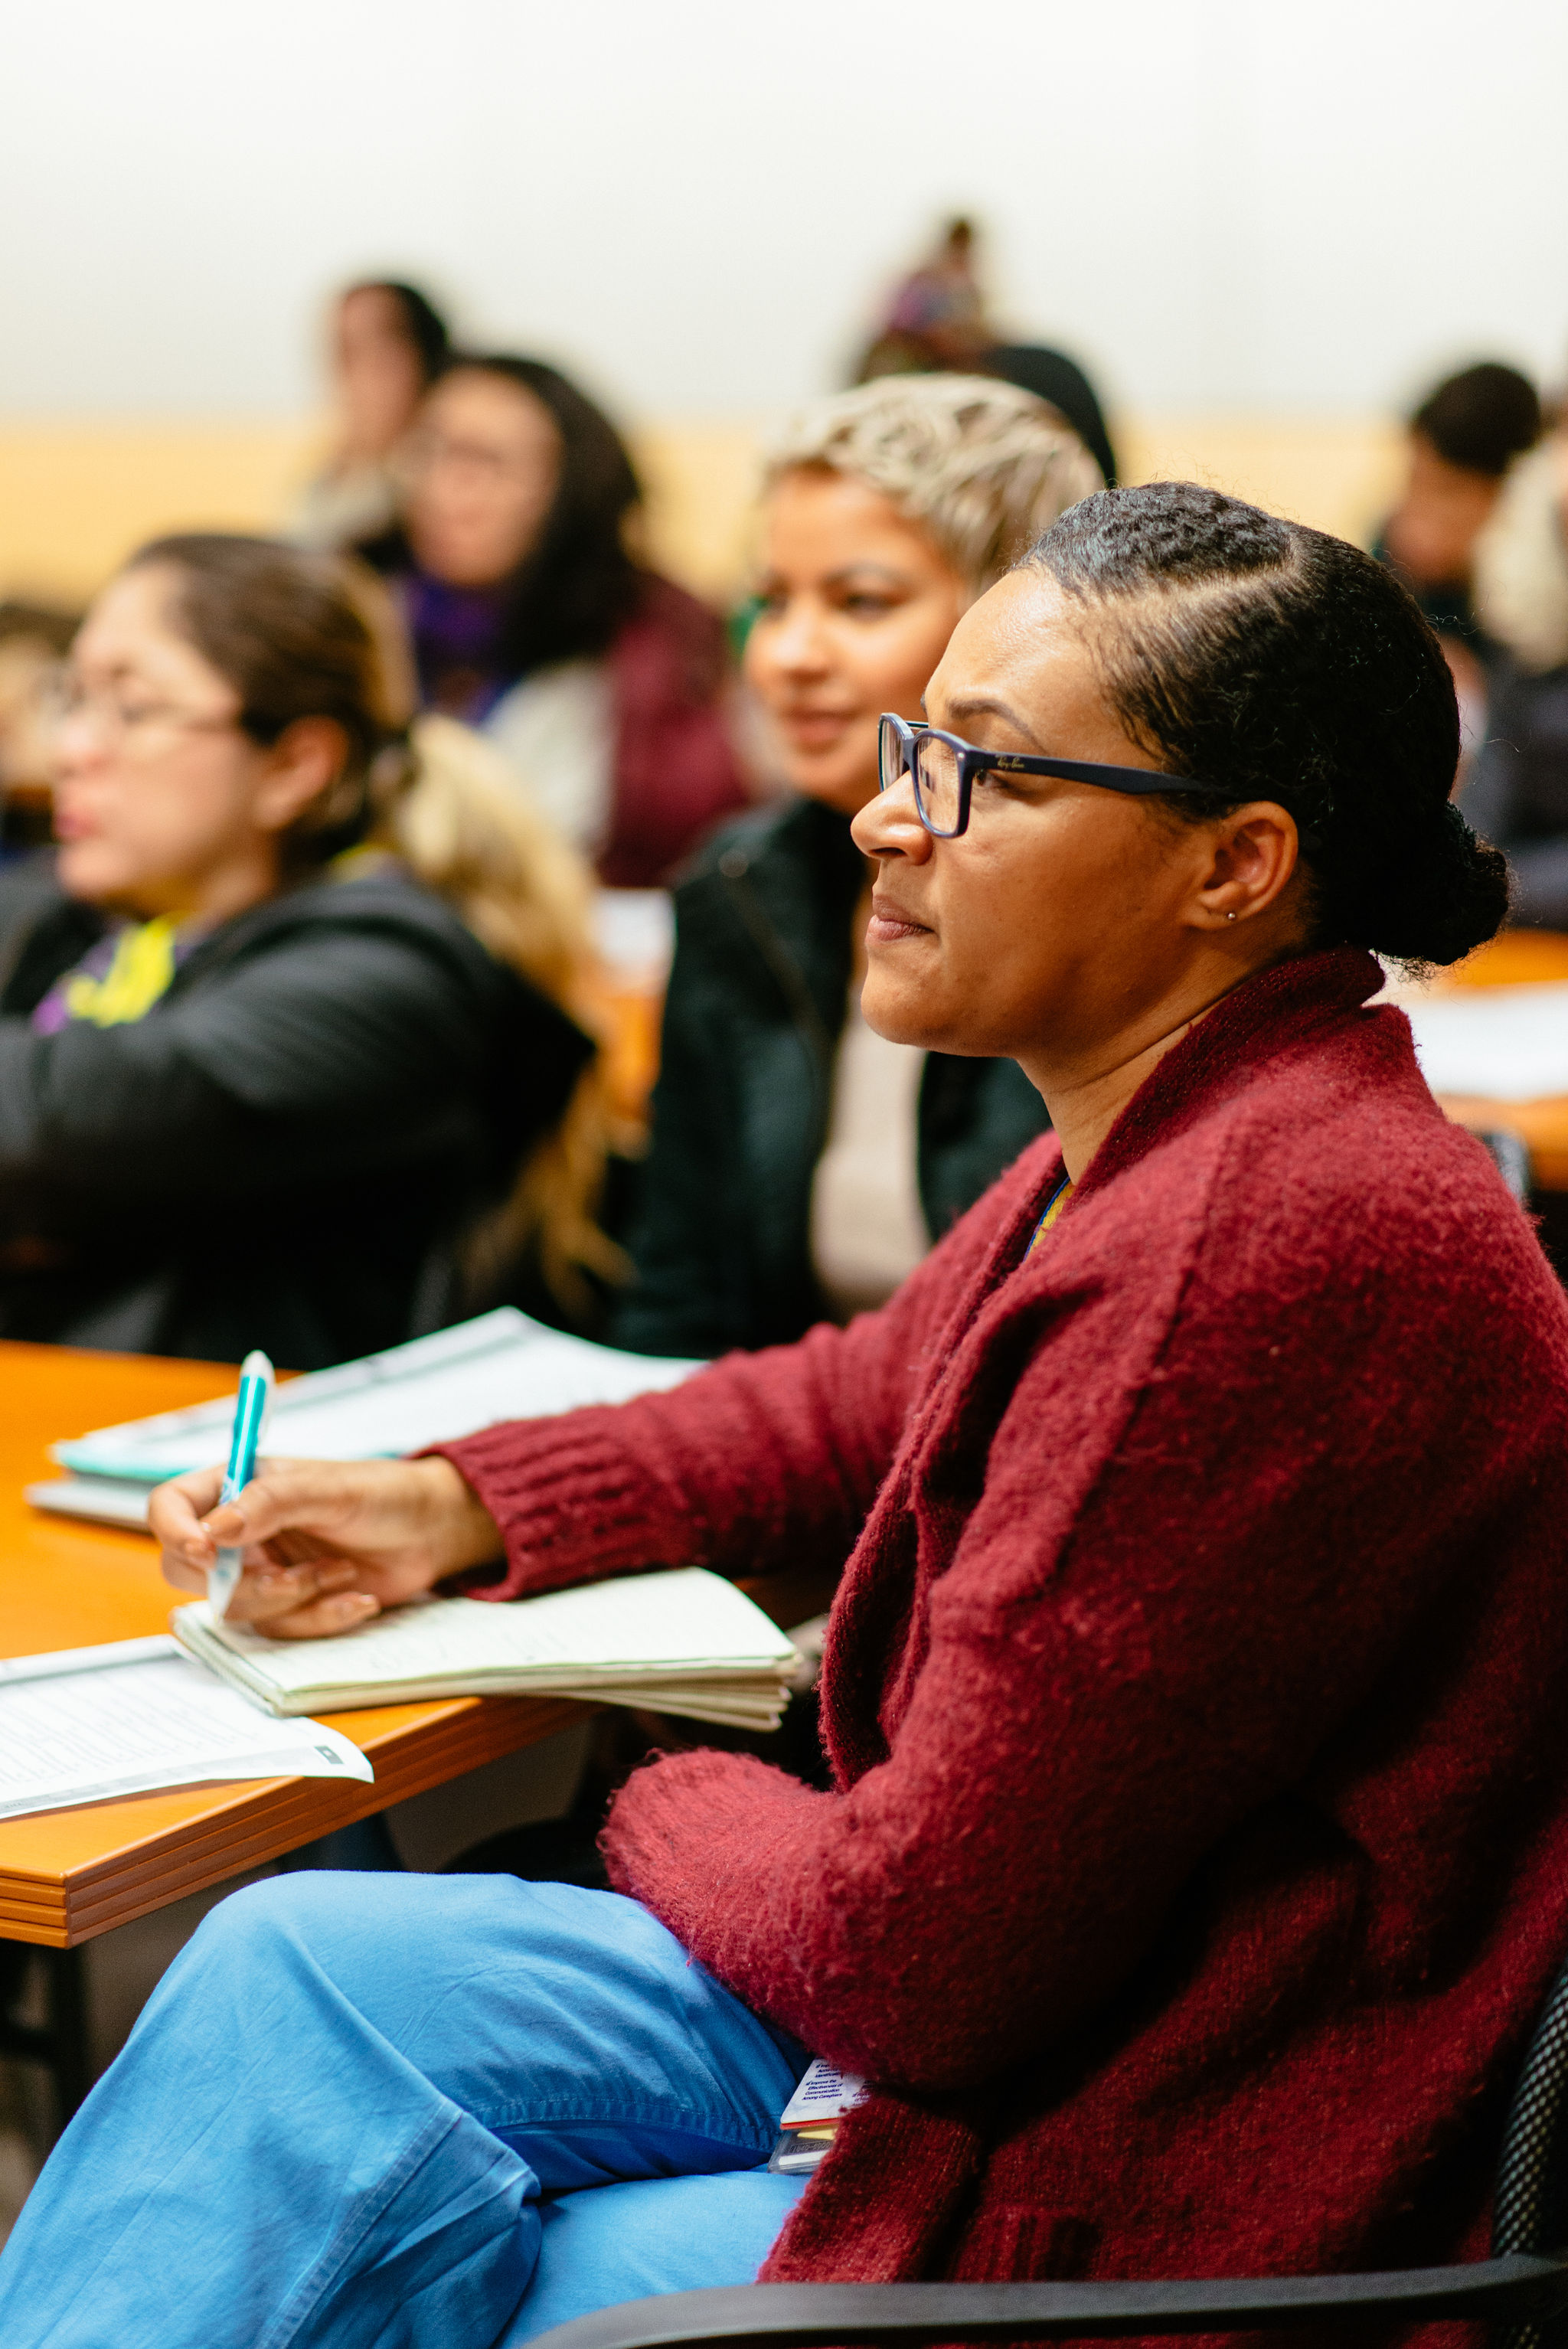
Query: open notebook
<point x="685" y="1641"/>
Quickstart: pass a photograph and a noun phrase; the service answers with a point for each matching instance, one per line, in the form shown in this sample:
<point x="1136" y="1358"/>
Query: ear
<point x="305" y="759"/>
<point x="1256" y="855"/>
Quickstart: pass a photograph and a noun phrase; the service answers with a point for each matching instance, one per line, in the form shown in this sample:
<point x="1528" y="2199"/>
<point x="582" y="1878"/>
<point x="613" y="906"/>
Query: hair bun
<point x="1447" y="896"/>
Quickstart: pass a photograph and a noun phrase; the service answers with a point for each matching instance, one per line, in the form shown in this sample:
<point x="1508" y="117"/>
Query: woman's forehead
<point x="817" y="519"/>
<point x="471" y="399"/>
<point x="131" y="630"/>
<point x="1022" y="639"/>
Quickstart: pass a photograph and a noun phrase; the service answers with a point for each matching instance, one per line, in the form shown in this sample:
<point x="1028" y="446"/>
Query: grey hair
<point x="985" y="467"/>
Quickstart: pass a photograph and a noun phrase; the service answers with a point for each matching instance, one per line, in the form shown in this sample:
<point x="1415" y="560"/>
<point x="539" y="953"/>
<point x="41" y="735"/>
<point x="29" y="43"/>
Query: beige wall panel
<point x="75" y="499"/>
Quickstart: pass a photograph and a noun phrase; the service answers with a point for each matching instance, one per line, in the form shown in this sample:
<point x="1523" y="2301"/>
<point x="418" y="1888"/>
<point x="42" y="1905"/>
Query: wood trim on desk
<point x="164" y="1857"/>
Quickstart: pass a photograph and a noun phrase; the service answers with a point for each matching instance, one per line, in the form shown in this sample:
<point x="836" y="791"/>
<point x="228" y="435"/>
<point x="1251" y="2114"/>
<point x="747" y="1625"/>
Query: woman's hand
<point x="327" y="1543"/>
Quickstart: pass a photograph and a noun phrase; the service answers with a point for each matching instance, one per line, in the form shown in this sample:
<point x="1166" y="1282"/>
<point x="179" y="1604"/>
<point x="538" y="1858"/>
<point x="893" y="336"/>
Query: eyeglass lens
<point x="936" y="773"/>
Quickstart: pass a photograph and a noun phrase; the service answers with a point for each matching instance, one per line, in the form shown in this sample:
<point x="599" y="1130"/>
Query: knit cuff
<point x="572" y="1500"/>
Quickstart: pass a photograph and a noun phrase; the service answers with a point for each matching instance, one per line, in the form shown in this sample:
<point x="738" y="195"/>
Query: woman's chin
<point x="85" y="870"/>
<point x="894" y="1009"/>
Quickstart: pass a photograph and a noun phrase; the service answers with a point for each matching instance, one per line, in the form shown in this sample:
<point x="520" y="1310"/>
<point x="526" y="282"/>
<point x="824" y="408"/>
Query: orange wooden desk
<point x="1519" y="958"/>
<point x="65" y="1876"/>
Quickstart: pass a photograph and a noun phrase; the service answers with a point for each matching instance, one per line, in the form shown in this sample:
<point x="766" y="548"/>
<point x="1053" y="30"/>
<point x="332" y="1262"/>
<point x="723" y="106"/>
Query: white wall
<point x="1225" y="204"/>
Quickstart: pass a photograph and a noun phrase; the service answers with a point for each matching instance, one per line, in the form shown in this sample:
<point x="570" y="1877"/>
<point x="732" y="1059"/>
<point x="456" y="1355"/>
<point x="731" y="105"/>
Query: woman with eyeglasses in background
<point x="802" y="1164"/>
<point x="1197" y="1856"/>
<point x="286" y="1042"/>
<point x="531" y="616"/>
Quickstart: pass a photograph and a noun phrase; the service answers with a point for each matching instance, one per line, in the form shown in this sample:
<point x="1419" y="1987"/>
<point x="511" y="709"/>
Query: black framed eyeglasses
<point x="943" y="767"/>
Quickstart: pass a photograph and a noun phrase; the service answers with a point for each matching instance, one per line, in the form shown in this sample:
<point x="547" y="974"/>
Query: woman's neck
<point x="204" y="901"/>
<point x="1084" y="1108"/>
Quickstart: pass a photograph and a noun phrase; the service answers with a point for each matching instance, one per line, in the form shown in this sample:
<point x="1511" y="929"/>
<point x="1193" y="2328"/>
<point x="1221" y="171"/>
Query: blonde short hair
<point x="984" y="467"/>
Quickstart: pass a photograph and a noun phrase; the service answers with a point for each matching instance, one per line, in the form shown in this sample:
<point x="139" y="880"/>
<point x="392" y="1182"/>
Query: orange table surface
<point x="65" y="1876"/>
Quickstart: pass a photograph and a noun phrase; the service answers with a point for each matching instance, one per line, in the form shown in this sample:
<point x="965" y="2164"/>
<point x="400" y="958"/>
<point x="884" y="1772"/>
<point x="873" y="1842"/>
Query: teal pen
<point x="251" y="1406"/>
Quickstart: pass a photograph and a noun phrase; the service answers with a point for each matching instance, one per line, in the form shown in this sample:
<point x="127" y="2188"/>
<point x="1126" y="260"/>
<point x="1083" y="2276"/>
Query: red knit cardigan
<point x="1198" y="1854"/>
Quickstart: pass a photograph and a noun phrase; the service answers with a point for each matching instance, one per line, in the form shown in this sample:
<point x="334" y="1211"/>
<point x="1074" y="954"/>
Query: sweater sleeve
<point x="758" y="1462"/>
<point x="1117" y="1675"/>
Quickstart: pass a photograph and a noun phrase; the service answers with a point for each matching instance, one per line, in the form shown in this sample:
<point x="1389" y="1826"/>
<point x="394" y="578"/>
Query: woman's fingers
<point x="266" y="1592"/>
<point x="175" y="1512"/>
<point x="389" y="1529"/>
<point x="311" y="1496"/>
<point x="321" y="1619"/>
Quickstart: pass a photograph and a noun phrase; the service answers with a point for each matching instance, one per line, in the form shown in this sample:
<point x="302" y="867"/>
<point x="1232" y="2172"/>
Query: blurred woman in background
<point x="288" y="1056"/>
<point x="388" y="344"/>
<point x="600" y="681"/>
<point x="801" y="1164"/>
<point x="1463" y="437"/>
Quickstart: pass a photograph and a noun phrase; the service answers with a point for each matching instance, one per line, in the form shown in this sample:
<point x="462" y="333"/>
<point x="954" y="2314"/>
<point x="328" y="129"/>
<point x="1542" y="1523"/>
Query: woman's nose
<point x="889" y="826"/>
<point x="797" y="643"/>
<point x="77" y="743"/>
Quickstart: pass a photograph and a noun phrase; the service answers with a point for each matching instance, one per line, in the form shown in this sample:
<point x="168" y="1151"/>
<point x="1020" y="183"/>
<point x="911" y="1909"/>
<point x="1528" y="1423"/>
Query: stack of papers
<point x="87" y="1723"/>
<point x="685" y="1642"/>
<point x="501" y="1366"/>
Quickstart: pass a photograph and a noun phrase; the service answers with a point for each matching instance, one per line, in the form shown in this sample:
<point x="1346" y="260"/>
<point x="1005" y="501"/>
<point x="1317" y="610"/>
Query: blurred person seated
<point x="388" y="343"/>
<point x="1518" y="788"/>
<point x="601" y="682"/>
<point x="286" y="1056"/>
<point x="938" y="324"/>
<point x="34" y="639"/>
<point x="1463" y="437"/>
<point x="1062" y="384"/>
<point x="936" y="318"/>
<point x="801" y="1164"/>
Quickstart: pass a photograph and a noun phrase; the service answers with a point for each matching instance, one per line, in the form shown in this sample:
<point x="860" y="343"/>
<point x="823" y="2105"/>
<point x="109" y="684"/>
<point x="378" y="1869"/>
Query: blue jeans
<point x="407" y="2110"/>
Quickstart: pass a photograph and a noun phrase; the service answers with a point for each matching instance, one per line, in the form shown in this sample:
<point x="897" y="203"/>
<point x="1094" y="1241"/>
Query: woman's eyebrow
<point x="866" y="570"/>
<point x="989" y="705"/>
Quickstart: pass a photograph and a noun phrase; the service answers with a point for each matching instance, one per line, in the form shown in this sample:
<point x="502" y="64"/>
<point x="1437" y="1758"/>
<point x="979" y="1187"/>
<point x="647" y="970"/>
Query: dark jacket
<point x="283" y="1151"/>
<point x="756" y="1002"/>
<point x="1517" y="792"/>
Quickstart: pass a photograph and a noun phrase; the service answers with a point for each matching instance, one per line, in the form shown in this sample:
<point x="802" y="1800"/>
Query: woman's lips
<point x="890" y="922"/>
<point x="815" y="729"/>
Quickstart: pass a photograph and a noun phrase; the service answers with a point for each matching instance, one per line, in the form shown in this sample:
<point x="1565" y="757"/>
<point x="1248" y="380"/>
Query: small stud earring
<point x="1230" y="917"/>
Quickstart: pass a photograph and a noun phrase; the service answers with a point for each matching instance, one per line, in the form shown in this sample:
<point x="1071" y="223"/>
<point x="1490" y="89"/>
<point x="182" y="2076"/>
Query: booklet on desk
<point x="134" y="1716"/>
<point x="501" y="1366"/>
<point x="682" y="1641"/>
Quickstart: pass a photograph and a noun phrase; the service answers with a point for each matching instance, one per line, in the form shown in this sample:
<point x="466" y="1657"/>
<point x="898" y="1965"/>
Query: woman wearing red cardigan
<point x="1198" y="1852"/>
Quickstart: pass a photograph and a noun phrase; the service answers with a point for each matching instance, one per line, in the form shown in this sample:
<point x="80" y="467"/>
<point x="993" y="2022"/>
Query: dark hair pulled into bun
<point x="1284" y="664"/>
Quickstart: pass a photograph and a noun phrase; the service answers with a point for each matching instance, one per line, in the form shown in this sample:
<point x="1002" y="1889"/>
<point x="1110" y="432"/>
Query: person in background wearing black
<point x="601" y="682"/>
<point x="936" y="323"/>
<point x="800" y="1166"/>
<point x="261" y="1084"/>
<point x="388" y="344"/>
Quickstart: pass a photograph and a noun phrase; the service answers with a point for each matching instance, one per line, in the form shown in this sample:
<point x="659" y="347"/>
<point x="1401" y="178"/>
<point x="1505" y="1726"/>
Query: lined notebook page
<point x="639" y="1622"/>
